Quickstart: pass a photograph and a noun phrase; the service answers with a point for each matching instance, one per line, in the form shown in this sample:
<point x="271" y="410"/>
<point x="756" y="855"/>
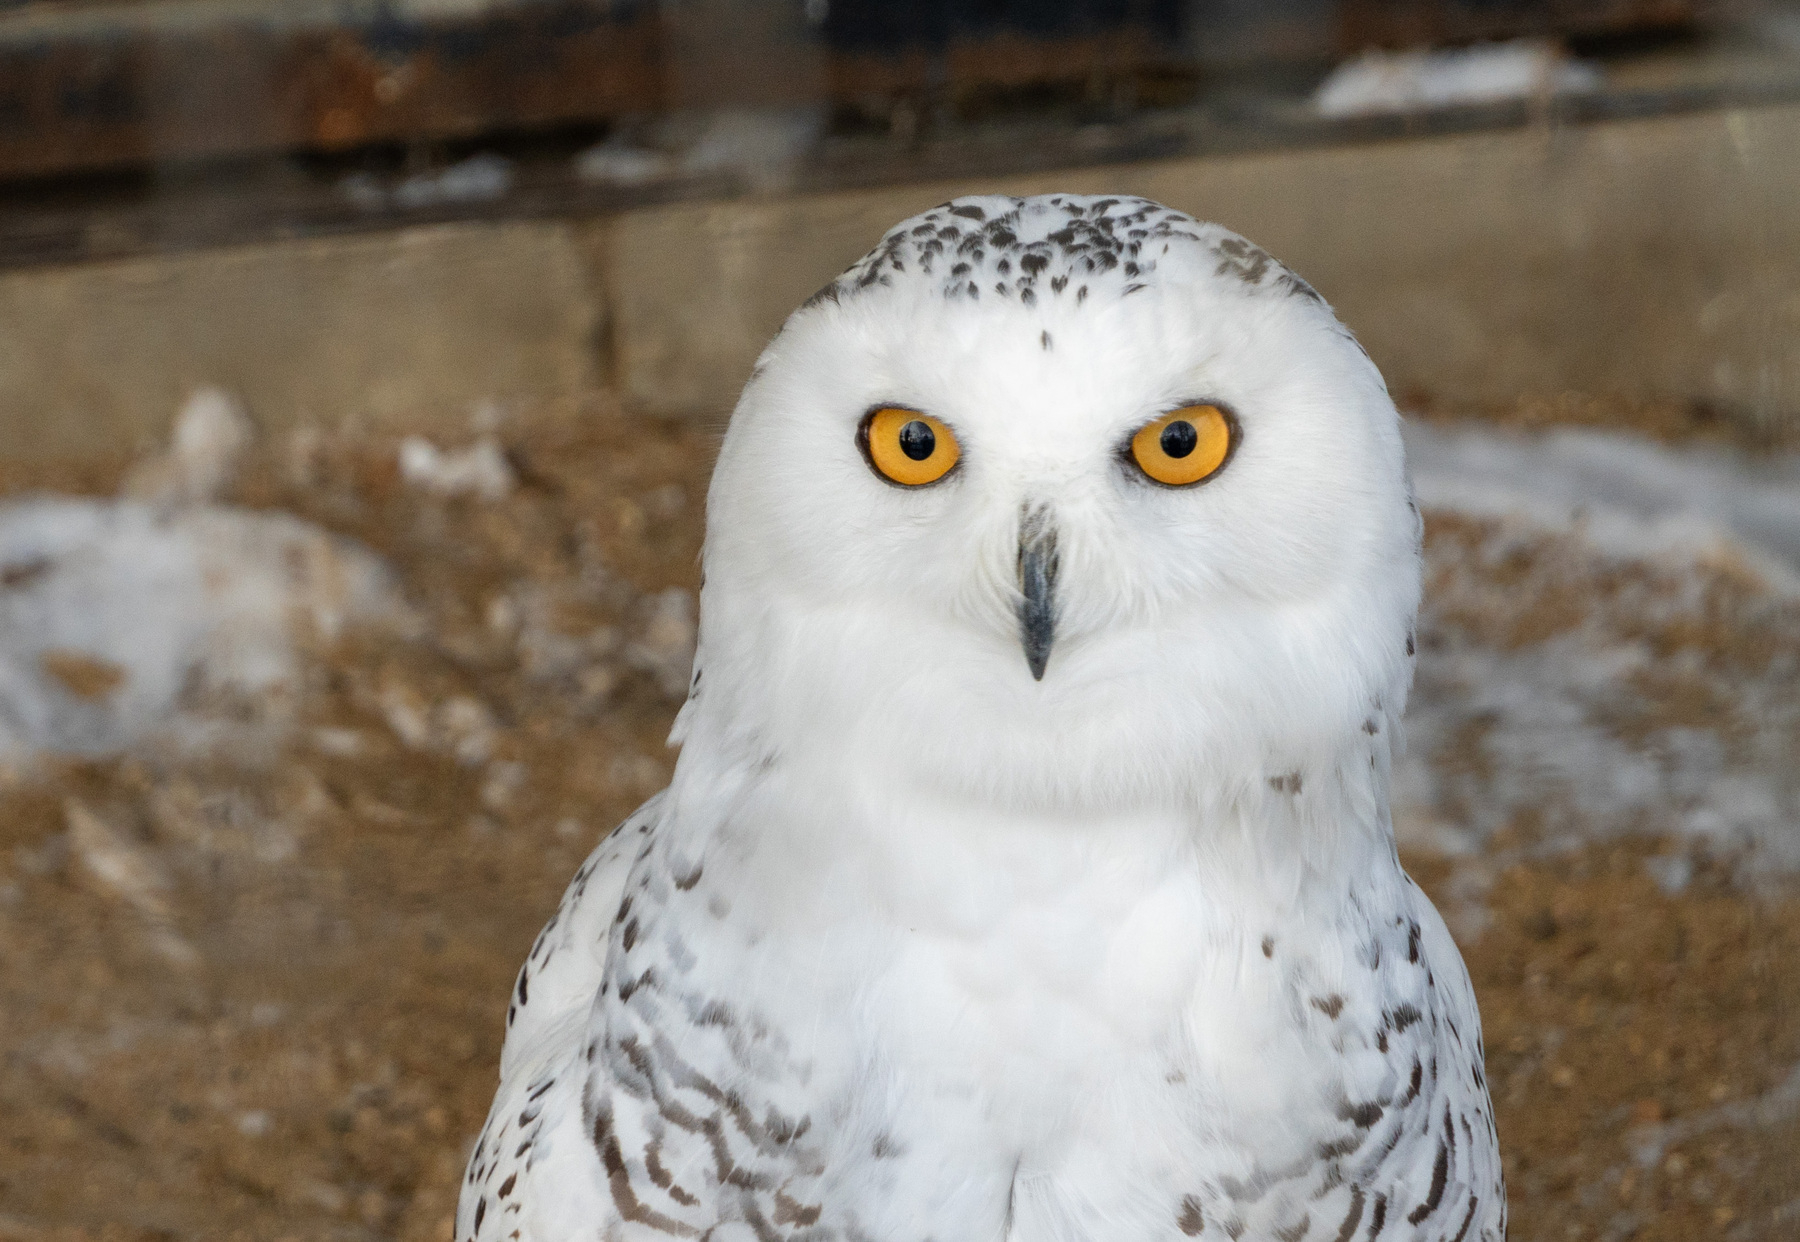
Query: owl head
<point x="1064" y="501"/>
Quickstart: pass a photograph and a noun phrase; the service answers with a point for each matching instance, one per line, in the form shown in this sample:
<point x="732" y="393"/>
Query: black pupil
<point x="1179" y="438"/>
<point x="918" y="441"/>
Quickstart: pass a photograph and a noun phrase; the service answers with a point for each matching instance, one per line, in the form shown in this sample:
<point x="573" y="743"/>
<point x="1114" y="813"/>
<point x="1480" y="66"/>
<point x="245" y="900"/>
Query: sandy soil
<point x="262" y="997"/>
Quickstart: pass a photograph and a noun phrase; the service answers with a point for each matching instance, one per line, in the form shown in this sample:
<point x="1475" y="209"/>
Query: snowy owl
<point x="1027" y="873"/>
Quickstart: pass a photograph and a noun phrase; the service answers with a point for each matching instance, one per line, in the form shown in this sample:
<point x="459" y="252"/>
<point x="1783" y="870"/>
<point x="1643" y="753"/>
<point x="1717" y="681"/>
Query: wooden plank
<point x="145" y="93"/>
<point x="137" y="84"/>
<point x="144" y="83"/>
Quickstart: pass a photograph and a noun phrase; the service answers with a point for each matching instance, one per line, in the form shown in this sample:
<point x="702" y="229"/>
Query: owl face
<point x="1048" y="515"/>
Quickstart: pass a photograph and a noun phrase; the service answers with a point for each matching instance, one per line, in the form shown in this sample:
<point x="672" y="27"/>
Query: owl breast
<point x="1081" y="1050"/>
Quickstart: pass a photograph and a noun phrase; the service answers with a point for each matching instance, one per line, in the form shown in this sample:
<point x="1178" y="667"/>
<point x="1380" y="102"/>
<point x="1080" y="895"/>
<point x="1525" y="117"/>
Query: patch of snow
<point x="479" y="179"/>
<point x="505" y="778"/>
<point x="1572" y="730"/>
<point x="762" y="145"/>
<point x="1629" y="497"/>
<point x="615" y="162"/>
<point x="120" y="620"/>
<point x="210" y="437"/>
<point x="481" y="469"/>
<point x="1672" y="872"/>
<point x="1416" y="81"/>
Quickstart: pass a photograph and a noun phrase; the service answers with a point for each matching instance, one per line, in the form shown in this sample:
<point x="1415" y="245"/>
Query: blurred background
<point x="361" y="367"/>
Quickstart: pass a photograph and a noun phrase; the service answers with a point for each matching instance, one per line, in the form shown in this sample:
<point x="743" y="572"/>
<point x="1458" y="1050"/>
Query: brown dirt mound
<point x="263" y="999"/>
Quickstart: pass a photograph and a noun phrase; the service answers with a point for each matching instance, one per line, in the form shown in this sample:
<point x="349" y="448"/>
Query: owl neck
<point x="1272" y="769"/>
<point x="1302" y="835"/>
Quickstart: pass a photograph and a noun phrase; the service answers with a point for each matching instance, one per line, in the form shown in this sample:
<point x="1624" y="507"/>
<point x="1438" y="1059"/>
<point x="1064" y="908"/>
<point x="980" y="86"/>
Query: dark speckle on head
<point x="1115" y="244"/>
<point x="1244" y="260"/>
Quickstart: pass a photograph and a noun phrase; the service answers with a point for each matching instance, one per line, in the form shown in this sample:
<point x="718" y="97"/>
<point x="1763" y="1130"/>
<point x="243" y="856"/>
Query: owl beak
<point x="1037" y="587"/>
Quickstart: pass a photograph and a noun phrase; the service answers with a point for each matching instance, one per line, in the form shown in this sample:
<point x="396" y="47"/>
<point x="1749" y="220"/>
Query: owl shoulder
<point x="567" y="962"/>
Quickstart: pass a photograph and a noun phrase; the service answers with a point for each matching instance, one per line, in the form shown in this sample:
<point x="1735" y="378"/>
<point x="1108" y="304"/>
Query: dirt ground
<point x="262" y="997"/>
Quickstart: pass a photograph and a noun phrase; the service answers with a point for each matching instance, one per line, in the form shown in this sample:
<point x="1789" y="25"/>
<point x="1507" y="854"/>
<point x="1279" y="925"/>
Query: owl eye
<point x="907" y="447"/>
<point x="1184" y="446"/>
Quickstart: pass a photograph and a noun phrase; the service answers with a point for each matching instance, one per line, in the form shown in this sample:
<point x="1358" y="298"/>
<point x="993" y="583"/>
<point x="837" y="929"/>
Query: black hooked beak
<point x="1037" y="583"/>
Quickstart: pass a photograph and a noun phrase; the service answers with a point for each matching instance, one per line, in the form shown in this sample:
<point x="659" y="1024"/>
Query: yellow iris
<point x="907" y="447"/>
<point x="1183" y="446"/>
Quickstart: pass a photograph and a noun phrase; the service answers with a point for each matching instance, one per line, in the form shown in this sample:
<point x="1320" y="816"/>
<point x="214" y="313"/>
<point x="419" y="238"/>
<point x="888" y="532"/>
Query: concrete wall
<point x="1651" y="259"/>
<point x="1655" y="259"/>
<point x="402" y="329"/>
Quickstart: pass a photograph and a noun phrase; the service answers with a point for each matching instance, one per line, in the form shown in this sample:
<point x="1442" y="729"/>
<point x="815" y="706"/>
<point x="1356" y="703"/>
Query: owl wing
<point x="1474" y="1190"/>
<point x="1428" y="1160"/>
<point x="534" y="1136"/>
